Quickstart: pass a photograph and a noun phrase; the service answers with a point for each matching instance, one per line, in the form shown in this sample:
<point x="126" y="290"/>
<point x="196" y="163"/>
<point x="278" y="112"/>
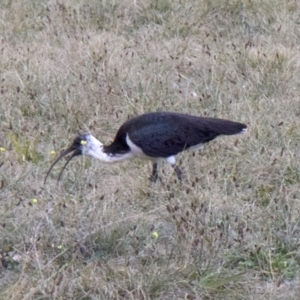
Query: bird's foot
<point x="153" y="178"/>
<point x="178" y="172"/>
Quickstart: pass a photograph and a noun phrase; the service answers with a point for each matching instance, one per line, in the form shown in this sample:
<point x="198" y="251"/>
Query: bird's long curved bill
<point x="66" y="152"/>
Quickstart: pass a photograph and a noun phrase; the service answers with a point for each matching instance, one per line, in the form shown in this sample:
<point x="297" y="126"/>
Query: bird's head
<point x="83" y="144"/>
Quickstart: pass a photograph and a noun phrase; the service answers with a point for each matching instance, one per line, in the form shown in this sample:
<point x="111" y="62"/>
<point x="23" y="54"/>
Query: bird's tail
<point x="226" y="127"/>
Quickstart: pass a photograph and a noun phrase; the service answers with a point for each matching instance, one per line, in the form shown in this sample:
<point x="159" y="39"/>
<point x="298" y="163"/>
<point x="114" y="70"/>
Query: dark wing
<point x="167" y="134"/>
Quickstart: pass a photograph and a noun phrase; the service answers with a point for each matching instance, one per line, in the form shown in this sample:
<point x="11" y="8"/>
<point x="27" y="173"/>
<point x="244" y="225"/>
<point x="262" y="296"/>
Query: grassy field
<point x="230" y="230"/>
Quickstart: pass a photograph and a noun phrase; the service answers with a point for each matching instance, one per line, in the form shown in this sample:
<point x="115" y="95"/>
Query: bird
<point x="156" y="136"/>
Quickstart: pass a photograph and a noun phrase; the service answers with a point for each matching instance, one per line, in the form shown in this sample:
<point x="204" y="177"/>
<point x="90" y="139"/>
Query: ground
<point x="230" y="230"/>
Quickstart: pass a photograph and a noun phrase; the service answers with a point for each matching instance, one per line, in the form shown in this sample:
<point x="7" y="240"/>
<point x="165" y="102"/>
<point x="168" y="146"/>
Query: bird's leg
<point x="154" y="175"/>
<point x="178" y="172"/>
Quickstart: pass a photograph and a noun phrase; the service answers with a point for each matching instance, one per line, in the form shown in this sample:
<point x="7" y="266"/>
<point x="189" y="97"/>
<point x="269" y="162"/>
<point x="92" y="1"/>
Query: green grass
<point x="230" y="230"/>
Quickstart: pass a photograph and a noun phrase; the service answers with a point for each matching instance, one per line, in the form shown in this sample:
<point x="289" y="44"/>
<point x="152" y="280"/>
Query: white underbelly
<point x="197" y="147"/>
<point x="136" y="150"/>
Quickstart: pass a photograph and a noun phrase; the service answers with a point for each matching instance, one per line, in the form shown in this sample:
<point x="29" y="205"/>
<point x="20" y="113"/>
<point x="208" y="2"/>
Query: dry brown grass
<point x="230" y="231"/>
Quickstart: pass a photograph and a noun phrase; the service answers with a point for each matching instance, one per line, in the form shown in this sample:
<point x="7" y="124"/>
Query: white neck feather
<point x="94" y="148"/>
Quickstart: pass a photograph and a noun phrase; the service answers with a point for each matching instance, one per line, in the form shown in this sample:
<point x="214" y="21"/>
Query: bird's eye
<point x="83" y="142"/>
